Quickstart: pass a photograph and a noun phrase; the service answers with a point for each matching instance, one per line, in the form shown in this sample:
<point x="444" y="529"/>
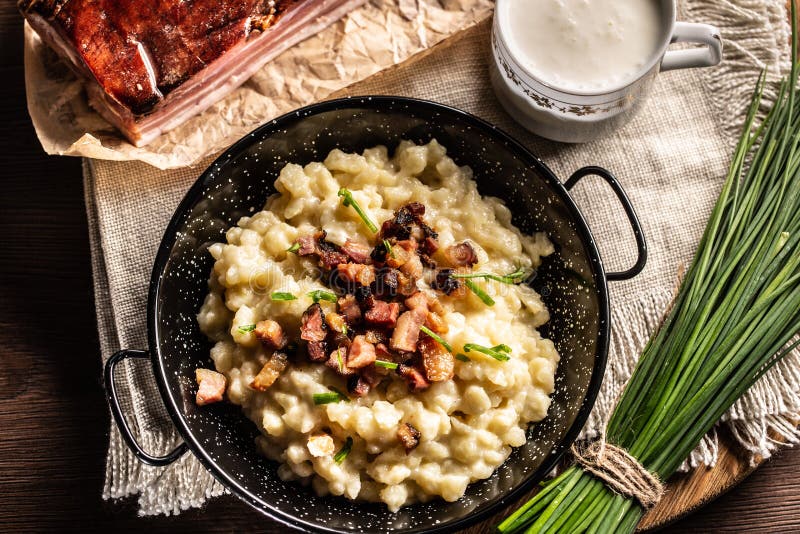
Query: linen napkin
<point x="671" y="159"/>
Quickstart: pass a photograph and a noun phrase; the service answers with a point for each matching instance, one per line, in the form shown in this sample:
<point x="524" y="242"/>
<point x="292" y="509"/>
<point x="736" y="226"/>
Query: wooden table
<point x="53" y="418"/>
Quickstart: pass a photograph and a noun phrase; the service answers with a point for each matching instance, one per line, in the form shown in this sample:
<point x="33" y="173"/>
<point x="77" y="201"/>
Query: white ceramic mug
<point x="575" y="116"/>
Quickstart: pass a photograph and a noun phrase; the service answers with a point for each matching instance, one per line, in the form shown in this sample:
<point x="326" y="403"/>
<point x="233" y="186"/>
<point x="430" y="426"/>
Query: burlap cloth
<point x="671" y="159"/>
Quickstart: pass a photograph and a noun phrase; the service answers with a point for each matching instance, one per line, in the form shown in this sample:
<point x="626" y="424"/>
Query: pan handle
<point x="122" y="424"/>
<point x="641" y="245"/>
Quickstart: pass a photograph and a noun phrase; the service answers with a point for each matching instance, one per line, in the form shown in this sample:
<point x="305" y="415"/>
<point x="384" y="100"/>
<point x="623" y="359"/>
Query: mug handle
<point x="690" y="32"/>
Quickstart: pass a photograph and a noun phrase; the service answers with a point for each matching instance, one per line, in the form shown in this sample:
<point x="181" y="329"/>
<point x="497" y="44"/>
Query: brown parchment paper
<point x="377" y="35"/>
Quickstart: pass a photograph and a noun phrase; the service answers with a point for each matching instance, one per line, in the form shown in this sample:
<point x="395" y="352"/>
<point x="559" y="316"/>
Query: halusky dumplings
<point x="467" y="425"/>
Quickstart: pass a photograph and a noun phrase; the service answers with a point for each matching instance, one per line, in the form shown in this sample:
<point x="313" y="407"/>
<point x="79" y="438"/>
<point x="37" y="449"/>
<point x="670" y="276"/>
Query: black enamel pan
<point x="572" y="283"/>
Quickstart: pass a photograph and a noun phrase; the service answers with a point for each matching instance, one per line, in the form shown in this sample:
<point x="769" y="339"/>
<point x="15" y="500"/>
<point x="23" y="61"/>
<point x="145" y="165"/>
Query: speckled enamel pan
<point x="572" y="283"/>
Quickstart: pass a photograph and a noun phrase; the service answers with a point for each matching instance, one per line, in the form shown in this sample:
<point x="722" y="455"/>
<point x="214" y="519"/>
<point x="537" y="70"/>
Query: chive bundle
<point x="735" y="312"/>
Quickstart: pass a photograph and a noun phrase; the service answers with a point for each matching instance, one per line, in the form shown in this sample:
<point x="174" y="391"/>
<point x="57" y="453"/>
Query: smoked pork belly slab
<point x="149" y="65"/>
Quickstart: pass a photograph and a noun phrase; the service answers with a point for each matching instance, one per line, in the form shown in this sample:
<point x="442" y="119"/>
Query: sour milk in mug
<point x="584" y="46"/>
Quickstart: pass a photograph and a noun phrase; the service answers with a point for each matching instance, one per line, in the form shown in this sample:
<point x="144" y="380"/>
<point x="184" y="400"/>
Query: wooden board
<point x="685" y="492"/>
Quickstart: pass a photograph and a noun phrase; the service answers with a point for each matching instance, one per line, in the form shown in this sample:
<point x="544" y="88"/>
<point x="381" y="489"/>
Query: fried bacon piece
<point x="413" y="267"/>
<point x="406" y="333"/>
<point x="383" y="314"/>
<point x="357" y="385"/>
<point x="445" y="282"/>
<point x="402" y="251"/>
<point x="406" y="285"/>
<point x="316" y="351"/>
<point x="212" y="386"/>
<point x="382" y="352"/>
<point x="386" y="282"/>
<point x="349" y="308"/>
<point x="417" y="300"/>
<point x="432" y="309"/>
<point x="372" y="375"/>
<point x="437" y="361"/>
<point x="314" y="330"/>
<point x="461" y="255"/>
<point x="408" y="436"/>
<point x="337" y="330"/>
<point x="361" y="353"/>
<point x="357" y="252"/>
<point x="427" y="261"/>
<point x="357" y="273"/>
<point x="336" y="322"/>
<point x="412" y="375"/>
<point x="308" y="245"/>
<point x="270" y="372"/>
<point x="429" y="246"/>
<point x="330" y="255"/>
<point x="381" y="251"/>
<point x="416" y="209"/>
<point x="364" y="296"/>
<point x="337" y="360"/>
<point x="376" y="335"/>
<point x="407" y="222"/>
<point x="270" y="334"/>
<point x="313" y="327"/>
<point x="436" y="323"/>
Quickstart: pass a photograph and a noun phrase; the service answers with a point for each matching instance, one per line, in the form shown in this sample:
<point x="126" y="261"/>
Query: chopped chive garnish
<point x="510" y="278"/>
<point x="480" y="293"/>
<point x="497" y="352"/>
<point x="344" y="451"/>
<point x="339" y="359"/>
<point x="327" y="398"/>
<point x="294" y="248"/>
<point x="386" y="365"/>
<point x="348" y="200"/>
<point x="462" y="357"/>
<point x="320" y="294"/>
<point x="246" y="328"/>
<point x="388" y="247"/>
<point x="279" y="295"/>
<point x="437" y="337"/>
<point x="342" y="395"/>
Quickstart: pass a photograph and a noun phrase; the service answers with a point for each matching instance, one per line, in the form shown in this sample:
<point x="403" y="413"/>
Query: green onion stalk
<point x="735" y="315"/>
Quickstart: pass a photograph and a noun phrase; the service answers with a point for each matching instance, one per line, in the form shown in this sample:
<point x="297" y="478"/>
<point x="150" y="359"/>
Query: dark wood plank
<point x="52" y="413"/>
